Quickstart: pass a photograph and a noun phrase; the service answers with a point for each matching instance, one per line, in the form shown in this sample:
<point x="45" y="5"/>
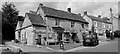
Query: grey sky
<point x="93" y="8"/>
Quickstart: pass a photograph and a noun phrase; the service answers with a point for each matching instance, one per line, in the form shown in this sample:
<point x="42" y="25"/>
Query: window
<point x="96" y="30"/>
<point x="110" y="26"/>
<point x="57" y="22"/>
<point x="50" y="36"/>
<point x="82" y="25"/>
<point x="95" y="23"/>
<point x="72" y="24"/>
<point x="103" y="25"/>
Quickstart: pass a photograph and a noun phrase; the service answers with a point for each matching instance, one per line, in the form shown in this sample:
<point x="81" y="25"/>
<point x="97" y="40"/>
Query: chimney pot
<point x="99" y="16"/>
<point x="79" y="14"/>
<point x="69" y="10"/>
<point x="85" y="13"/>
<point x="41" y="4"/>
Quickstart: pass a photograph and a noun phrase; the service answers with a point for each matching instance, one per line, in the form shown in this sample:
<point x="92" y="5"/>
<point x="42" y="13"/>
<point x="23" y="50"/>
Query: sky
<point x="93" y="7"/>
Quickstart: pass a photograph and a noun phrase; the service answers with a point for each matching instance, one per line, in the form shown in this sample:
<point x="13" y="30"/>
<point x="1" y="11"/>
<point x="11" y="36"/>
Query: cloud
<point x="24" y="7"/>
<point x="104" y="11"/>
<point x="94" y="7"/>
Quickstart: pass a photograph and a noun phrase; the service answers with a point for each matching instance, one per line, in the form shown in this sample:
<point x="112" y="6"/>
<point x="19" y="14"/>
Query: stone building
<point x="99" y="24"/>
<point x="52" y="25"/>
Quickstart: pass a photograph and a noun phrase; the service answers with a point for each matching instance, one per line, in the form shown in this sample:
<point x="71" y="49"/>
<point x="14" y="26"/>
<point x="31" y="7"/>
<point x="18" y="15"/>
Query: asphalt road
<point x="108" y="46"/>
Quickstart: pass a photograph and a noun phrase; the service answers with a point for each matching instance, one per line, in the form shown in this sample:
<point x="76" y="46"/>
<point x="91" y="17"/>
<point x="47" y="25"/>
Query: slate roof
<point x="35" y="19"/>
<point x="106" y="20"/>
<point x="99" y="19"/>
<point x="62" y="14"/>
<point x="95" y="18"/>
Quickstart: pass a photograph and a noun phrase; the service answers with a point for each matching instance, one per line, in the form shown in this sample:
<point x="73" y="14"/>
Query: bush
<point x="117" y="33"/>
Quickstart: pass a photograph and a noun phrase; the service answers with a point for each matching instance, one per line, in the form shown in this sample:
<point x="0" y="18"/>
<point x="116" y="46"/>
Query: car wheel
<point x="94" y="43"/>
<point x="84" y="44"/>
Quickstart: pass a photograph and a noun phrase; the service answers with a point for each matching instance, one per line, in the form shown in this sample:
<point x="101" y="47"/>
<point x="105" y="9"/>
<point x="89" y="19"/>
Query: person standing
<point x="107" y="34"/>
<point x="111" y="35"/>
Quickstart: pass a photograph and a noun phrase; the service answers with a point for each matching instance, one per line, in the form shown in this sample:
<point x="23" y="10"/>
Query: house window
<point x="95" y="23"/>
<point x="103" y="25"/>
<point x="82" y="25"/>
<point x="110" y="26"/>
<point x="57" y="22"/>
<point x="96" y="30"/>
<point x="72" y="24"/>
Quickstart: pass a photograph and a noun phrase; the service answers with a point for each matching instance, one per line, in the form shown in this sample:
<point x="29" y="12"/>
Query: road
<point x="108" y="46"/>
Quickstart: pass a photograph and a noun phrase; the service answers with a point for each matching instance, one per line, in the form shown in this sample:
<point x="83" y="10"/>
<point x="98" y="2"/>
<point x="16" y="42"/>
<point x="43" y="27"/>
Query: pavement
<point x="25" y="48"/>
<point x="50" y="48"/>
<point x="67" y="46"/>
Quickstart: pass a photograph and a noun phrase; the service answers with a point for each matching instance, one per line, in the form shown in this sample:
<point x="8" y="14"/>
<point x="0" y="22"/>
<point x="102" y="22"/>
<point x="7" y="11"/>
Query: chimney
<point x="85" y="13"/>
<point x="69" y="10"/>
<point x="79" y="14"/>
<point x="99" y="16"/>
<point x="40" y="4"/>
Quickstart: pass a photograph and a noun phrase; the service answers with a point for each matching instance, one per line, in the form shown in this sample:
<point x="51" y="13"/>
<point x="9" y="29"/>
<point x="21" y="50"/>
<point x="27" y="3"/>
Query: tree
<point x="9" y="20"/>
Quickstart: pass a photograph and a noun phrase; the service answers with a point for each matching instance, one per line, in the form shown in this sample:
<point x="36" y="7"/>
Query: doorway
<point x="39" y="40"/>
<point x="75" y="38"/>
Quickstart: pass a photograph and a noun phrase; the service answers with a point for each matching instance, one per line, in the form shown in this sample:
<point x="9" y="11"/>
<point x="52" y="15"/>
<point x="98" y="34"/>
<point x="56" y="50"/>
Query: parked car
<point x="117" y="33"/>
<point x="90" y="39"/>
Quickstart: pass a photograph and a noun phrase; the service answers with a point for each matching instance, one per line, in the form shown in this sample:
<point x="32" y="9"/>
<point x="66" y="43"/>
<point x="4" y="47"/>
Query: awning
<point x="58" y="29"/>
<point x="73" y="31"/>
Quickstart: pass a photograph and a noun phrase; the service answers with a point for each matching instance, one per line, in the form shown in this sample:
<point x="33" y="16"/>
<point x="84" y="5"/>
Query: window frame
<point x="57" y="22"/>
<point x="72" y="24"/>
<point x="95" y="23"/>
<point x="103" y="25"/>
<point x="83" y="26"/>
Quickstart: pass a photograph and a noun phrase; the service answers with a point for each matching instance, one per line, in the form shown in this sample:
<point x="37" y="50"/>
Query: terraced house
<point x="97" y="24"/>
<point x="49" y="25"/>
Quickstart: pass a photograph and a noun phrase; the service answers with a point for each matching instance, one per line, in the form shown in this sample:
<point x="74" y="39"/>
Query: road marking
<point x="74" y="49"/>
<point x="50" y="48"/>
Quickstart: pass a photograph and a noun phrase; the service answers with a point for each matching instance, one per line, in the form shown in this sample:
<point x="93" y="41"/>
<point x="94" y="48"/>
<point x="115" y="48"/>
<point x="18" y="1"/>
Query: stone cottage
<point x="50" y="25"/>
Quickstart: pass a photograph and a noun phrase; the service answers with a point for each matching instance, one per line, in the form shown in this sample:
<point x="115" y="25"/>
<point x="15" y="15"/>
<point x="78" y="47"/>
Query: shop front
<point x="59" y="31"/>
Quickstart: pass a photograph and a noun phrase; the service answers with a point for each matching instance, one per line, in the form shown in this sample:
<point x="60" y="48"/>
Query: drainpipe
<point x="46" y="30"/>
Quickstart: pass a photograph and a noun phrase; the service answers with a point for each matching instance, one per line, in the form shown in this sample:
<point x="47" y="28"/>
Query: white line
<point x="50" y="48"/>
<point x="74" y="49"/>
